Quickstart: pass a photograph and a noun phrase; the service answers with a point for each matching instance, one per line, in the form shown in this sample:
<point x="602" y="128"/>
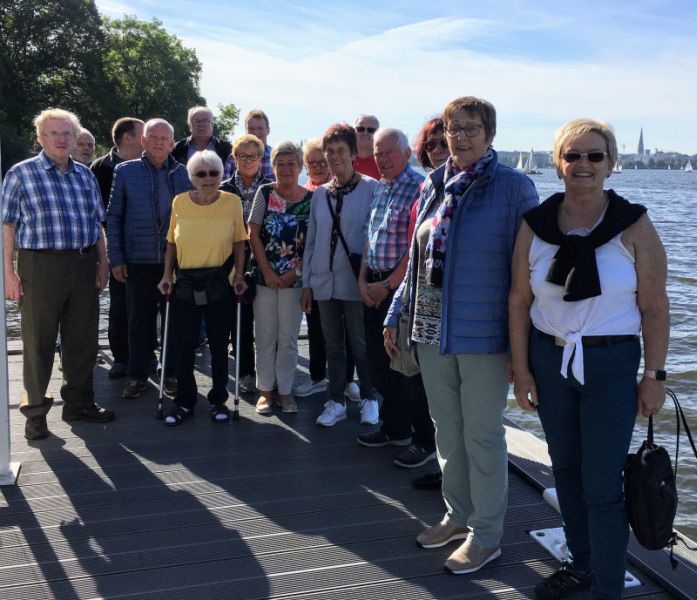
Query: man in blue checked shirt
<point x="404" y="410"/>
<point x="52" y="213"/>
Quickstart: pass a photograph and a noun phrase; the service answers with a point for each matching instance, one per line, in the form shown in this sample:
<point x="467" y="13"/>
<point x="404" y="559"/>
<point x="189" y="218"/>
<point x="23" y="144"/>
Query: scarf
<point x="456" y="184"/>
<point x="334" y="190"/>
<point x="574" y="265"/>
<point x="246" y="192"/>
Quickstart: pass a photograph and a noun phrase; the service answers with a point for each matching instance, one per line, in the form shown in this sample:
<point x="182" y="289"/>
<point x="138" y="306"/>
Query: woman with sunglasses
<point x="247" y="150"/>
<point x="277" y="230"/>
<point x="206" y="236"/>
<point x="455" y="294"/>
<point x="589" y="274"/>
<point x="431" y="146"/>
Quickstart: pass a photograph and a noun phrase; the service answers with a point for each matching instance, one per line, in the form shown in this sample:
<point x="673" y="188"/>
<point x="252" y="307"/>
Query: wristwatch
<point x="386" y="284"/>
<point x="657" y="374"/>
<point x="298" y="271"/>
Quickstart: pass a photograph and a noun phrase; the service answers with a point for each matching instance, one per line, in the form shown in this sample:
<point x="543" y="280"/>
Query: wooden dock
<point x="268" y="507"/>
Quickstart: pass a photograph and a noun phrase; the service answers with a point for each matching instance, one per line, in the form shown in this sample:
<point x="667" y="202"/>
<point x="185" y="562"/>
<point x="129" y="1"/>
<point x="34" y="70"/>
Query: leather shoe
<point x="36" y="428"/>
<point x="92" y="414"/>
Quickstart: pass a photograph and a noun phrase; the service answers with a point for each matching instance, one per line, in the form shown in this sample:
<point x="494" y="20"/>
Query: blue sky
<point x="541" y="63"/>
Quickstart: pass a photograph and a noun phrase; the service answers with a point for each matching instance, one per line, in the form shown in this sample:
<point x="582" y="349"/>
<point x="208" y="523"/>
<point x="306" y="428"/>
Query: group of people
<point x="489" y="286"/>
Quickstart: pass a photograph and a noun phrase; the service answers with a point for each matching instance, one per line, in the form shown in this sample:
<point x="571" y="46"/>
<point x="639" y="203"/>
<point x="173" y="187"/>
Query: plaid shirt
<point x="50" y="209"/>
<point x="389" y="220"/>
<point x="264" y="166"/>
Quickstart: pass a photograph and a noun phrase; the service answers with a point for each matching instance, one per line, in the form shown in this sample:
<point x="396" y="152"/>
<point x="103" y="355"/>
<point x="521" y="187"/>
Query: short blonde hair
<point x="287" y="147"/>
<point x="248" y="139"/>
<point x="201" y="157"/>
<point x="310" y="145"/>
<point x="574" y="129"/>
<point x="56" y="113"/>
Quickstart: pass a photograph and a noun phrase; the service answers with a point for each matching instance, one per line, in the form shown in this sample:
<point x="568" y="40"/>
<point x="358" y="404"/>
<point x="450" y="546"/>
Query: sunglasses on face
<point x="431" y="145"/>
<point x="317" y="164"/>
<point x="203" y="174"/>
<point x="368" y="129"/>
<point x="594" y="157"/>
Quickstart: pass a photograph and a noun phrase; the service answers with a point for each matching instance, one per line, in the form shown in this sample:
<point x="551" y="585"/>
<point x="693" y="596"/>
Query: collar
<point x="406" y="173"/>
<point x="48" y="163"/>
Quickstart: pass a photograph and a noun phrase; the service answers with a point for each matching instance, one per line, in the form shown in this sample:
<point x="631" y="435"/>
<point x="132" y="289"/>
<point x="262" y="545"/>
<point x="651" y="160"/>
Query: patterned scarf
<point x="456" y="184"/>
<point x="247" y="192"/>
<point x="334" y="190"/>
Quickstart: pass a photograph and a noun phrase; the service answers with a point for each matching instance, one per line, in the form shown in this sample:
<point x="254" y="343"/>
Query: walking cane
<point x="161" y="397"/>
<point x="236" y="409"/>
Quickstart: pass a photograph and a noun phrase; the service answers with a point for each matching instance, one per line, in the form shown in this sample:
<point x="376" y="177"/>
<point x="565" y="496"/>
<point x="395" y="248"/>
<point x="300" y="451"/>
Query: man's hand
<point x="389" y="335"/>
<point x="651" y="396"/>
<point x="13" y="286"/>
<point x="306" y="300"/>
<point x="120" y="273"/>
<point x="377" y="293"/>
<point x="102" y="276"/>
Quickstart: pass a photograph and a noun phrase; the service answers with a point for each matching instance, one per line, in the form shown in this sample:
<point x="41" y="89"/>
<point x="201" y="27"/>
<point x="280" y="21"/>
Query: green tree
<point x="151" y="72"/>
<point x="227" y="119"/>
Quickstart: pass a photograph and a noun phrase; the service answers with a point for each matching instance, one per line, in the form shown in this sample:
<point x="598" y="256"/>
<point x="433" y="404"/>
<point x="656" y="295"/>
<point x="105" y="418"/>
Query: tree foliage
<point x="226" y="121"/>
<point x="61" y="53"/>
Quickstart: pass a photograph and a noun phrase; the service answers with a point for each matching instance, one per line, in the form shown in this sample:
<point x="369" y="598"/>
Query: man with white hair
<point x="200" y="122"/>
<point x="84" y="149"/>
<point x="137" y="222"/>
<point x="364" y="163"/>
<point x="404" y="410"/>
<point x="52" y="214"/>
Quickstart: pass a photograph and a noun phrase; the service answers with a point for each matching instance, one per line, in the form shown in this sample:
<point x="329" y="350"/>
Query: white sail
<point x="688" y="166"/>
<point x="519" y="166"/>
<point x="531" y="163"/>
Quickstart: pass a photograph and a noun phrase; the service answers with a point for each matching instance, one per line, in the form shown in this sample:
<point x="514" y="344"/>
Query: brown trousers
<point x="59" y="290"/>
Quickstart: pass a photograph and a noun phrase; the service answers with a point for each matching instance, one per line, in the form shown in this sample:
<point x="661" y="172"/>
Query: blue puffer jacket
<point x="477" y="275"/>
<point x="136" y="234"/>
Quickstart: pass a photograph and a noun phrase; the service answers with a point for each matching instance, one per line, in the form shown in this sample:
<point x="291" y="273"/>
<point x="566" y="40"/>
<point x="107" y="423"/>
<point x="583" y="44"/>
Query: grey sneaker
<point x="414" y="456"/>
<point x="441" y="534"/>
<point x="470" y="557"/>
<point x="370" y="412"/>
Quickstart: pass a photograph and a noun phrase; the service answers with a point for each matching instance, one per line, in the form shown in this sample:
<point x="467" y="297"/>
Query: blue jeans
<point x="588" y="429"/>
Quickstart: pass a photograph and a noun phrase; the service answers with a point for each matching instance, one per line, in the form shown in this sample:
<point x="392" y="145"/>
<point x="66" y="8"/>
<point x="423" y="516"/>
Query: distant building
<point x="640" y="147"/>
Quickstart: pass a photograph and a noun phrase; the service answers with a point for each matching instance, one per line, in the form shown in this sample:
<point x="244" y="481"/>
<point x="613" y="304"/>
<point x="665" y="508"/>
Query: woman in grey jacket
<point x="327" y="272"/>
<point x="457" y="288"/>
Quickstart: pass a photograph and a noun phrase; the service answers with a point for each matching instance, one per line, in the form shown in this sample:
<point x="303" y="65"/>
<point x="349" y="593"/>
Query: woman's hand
<point x="651" y="396"/>
<point x="239" y="286"/>
<point x="272" y="280"/>
<point x="306" y="300"/>
<point x="165" y="285"/>
<point x="389" y="335"/>
<point x="524" y="389"/>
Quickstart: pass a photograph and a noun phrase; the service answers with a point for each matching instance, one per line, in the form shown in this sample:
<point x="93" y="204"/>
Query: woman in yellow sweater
<point x="206" y="236"/>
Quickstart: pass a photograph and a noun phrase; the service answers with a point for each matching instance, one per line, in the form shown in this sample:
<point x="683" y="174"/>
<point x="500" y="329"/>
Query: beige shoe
<point x="287" y="403"/>
<point x="470" y="557"/>
<point x="263" y="406"/>
<point x="441" y="534"/>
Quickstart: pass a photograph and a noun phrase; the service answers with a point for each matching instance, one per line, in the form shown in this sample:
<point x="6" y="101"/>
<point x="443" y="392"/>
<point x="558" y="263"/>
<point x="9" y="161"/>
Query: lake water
<point x="671" y="198"/>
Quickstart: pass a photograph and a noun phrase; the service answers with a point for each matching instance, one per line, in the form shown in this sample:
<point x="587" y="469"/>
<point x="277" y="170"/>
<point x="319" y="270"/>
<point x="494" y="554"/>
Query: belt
<point x="65" y="251"/>
<point x="373" y="276"/>
<point x="591" y="341"/>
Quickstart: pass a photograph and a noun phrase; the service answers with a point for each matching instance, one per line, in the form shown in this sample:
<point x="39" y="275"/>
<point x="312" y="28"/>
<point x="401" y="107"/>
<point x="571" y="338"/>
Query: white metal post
<point x="8" y="470"/>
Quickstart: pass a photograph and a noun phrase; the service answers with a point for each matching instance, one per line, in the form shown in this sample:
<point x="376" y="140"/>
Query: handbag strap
<point x="337" y="227"/>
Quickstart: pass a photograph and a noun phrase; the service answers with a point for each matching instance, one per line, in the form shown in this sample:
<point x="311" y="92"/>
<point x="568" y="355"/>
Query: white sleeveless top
<point x="614" y="312"/>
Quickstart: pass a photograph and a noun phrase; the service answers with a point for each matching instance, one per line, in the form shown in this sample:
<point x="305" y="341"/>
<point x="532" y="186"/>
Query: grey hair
<point x="56" y="113"/>
<point x="84" y="131"/>
<point x="371" y="117"/>
<point x="154" y="122"/>
<point x="201" y="157"/>
<point x="194" y="109"/>
<point x="386" y="132"/>
<point x="287" y="147"/>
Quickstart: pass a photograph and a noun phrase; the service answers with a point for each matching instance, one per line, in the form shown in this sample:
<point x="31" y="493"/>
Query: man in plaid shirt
<point x="52" y="212"/>
<point x="255" y="123"/>
<point x="404" y="410"/>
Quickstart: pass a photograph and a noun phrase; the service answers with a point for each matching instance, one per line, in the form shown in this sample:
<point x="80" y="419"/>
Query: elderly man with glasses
<point x="52" y="213"/>
<point x="366" y="126"/>
<point x="200" y="122"/>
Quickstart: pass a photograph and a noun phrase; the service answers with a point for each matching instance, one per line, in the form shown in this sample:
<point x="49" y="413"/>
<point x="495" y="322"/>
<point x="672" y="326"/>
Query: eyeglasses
<point x="317" y="164"/>
<point x="201" y="121"/>
<point x="247" y="157"/>
<point x="202" y="174"/>
<point x="368" y="129"/>
<point x="594" y="157"/>
<point x="58" y="134"/>
<point x="431" y="145"/>
<point x="469" y="130"/>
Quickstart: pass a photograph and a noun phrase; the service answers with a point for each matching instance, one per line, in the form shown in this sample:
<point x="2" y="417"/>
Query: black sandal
<point x="220" y="413"/>
<point x="178" y="416"/>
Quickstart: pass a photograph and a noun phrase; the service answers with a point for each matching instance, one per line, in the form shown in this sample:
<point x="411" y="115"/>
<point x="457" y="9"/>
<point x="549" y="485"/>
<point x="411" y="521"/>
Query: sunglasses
<point x="368" y="129"/>
<point x="431" y="145"/>
<point x="317" y="164"/>
<point x="594" y="157"/>
<point x="202" y="174"/>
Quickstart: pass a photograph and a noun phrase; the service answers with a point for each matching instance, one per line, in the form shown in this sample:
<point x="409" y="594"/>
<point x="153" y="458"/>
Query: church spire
<point x="640" y="147"/>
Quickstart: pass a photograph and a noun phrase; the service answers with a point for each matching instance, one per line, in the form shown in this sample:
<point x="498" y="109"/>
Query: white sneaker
<point x="352" y="392"/>
<point x="333" y="413"/>
<point x="370" y="412"/>
<point x="309" y="387"/>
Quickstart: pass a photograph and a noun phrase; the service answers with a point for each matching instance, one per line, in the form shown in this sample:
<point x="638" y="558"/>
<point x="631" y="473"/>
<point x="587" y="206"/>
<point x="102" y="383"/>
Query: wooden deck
<point x="268" y="507"/>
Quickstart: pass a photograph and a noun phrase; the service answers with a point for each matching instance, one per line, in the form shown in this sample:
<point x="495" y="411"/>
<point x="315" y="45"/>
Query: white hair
<point x="194" y="109"/>
<point x="371" y="117"/>
<point x="56" y="113"/>
<point x="201" y="157"/>
<point x="87" y="132"/>
<point x="386" y="132"/>
<point x="154" y="122"/>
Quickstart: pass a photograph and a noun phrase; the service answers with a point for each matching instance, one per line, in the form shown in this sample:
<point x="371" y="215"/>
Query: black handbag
<point x="651" y="496"/>
<point x="353" y="257"/>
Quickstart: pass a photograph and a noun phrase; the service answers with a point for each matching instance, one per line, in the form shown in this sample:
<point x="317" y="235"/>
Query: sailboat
<point x="520" y="166"/>
<point x="688" y="167"/>
<point x="530" y="167"/>
<point x="617" y="169"/>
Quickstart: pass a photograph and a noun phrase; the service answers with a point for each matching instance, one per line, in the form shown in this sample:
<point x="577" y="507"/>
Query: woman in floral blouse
<point x="277" y="228"/>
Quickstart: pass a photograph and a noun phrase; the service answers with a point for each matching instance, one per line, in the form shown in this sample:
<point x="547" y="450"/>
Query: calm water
<point x="671" y="198"/>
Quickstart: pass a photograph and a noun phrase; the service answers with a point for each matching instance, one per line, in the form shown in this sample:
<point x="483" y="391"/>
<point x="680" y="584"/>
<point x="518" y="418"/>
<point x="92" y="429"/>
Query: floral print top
<point x="283" y="230"/>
